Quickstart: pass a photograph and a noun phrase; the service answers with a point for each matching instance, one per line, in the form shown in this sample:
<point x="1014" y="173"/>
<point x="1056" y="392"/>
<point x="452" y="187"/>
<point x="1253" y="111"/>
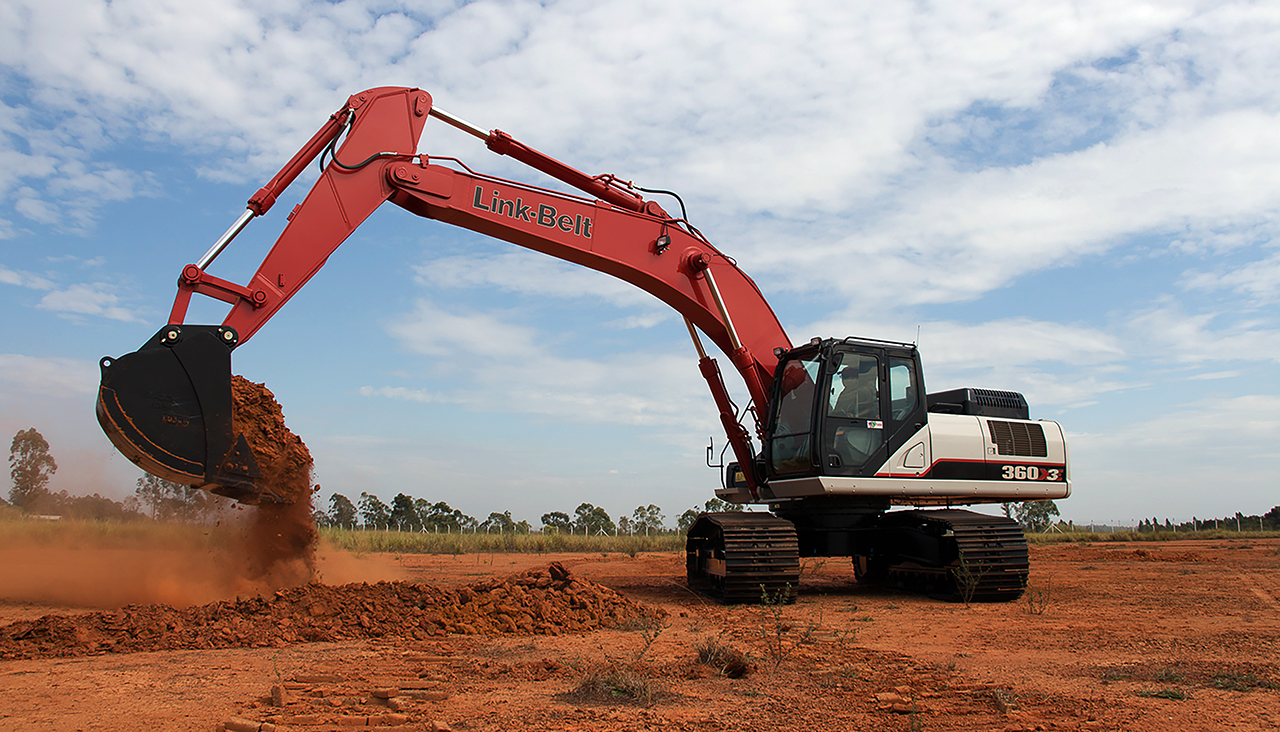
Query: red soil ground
<point x="1177" y="636"/>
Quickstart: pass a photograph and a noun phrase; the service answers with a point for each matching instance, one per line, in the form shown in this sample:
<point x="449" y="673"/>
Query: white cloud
<point x="98" y="298"/>
<point x="400" y="392"/>
<point x="55" y="377"/>
<point x="24" y="279"/>
<point x="1207" y="458"/>
<point x="960" y="235"/>
<point x="1242" y="427"/>
<point x="1052" y="364"/>
<point x="34" y="208"/>
<point x="811" y="111"/>
<point x="529" y="273"/>
<point x="87" y="299"/>
<point x="1258" y="281"/>
<point x="1203" y="338"/>
<point x="781" y="107"/>
<point x="1215" y="376"/>
<point x="502" y="366"/>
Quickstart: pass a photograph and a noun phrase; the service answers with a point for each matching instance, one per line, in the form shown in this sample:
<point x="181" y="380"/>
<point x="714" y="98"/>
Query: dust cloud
<point x="253" y="550"/>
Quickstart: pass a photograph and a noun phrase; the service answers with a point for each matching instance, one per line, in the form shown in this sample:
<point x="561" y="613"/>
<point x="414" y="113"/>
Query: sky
<point x="1078" y="201"/>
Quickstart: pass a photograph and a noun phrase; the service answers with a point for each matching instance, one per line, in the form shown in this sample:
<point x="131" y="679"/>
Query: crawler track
<point x="957" y="555"/>
<point x="743" y="558"/>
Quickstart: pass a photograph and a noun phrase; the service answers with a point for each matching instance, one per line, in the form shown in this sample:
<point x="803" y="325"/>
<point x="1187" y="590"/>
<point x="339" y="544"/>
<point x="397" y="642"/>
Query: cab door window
<point x="855" y="388"/>
<point x="904" y="394"/>
<point x="854" y="427"/>
<point x="790" y="449"/>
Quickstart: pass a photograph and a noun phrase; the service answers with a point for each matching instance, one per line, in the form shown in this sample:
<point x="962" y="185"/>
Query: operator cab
<point x="842" y="407"/>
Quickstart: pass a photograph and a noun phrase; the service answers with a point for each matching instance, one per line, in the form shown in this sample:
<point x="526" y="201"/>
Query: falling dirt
<point x="280" y="548"/>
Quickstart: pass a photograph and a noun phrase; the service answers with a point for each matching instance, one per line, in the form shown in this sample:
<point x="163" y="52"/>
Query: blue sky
<point x="1078" y="201"/>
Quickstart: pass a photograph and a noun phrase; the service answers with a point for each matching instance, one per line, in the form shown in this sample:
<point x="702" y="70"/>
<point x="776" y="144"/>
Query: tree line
<point x="31" y="466"/>
<point x="1269" y="521"/>
<point x="407" y="513"/>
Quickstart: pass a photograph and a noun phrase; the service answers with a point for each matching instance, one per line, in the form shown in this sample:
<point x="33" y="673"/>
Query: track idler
<point x="167" y="407"/>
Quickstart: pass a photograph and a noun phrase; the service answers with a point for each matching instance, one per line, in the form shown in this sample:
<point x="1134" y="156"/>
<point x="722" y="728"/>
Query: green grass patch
<point x="1236" y="681"/>
<point x="1166" y="693"/>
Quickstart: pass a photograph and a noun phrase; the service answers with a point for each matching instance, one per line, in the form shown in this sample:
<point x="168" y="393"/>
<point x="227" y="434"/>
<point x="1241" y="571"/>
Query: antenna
<point x="917" y="343"/>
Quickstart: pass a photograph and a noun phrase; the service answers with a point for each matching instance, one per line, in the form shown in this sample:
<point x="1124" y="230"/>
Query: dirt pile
<point x="539" y="602"/>
<point x="281" y="542"/>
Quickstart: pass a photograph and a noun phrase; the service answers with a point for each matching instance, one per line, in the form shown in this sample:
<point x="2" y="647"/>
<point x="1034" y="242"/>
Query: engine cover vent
<point x="982" y="402"/>
<point x="1024" y="439"/>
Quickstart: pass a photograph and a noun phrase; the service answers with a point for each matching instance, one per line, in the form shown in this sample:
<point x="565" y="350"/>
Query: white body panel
<point x="949" y="443"/>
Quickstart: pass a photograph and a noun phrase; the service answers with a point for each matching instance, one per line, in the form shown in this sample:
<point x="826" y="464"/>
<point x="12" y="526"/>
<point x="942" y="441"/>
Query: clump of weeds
<point x="812" y="565"/>
<point x="649" y="628"/>
<point x="809" y="634"/>
<point x="726" y="660"/>
<point x="1168" y="675"/>
<point x="774" y="625"/>
<point x="1166" y="693"/>
<point x="1038" y="597"/>
<point x="967" y="578"/>
<point x="615" y="684"/>
<point x="1237" y="681"/>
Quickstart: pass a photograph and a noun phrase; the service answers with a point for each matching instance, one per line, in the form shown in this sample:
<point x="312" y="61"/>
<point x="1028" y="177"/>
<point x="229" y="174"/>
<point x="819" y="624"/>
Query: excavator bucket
<point x="167" y="407"/>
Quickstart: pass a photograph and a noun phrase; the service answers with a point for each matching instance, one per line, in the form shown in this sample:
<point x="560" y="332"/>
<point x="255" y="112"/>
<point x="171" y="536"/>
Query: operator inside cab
<point x="855" y="401"/>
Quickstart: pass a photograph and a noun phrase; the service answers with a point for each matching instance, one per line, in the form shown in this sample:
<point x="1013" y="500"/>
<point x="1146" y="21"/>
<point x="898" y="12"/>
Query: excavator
<point x="842" y="430"/>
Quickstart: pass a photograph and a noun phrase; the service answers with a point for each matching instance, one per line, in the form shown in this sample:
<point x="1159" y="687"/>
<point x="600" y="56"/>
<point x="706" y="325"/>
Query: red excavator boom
<point x="168" y="406"/>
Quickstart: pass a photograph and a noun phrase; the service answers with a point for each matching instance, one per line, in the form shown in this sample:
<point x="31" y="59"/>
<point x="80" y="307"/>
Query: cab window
<point x="904" y="394"/>
<point x="854" y="388"/>
<point x="854" y="430"/>
<point x="790" y="450"/>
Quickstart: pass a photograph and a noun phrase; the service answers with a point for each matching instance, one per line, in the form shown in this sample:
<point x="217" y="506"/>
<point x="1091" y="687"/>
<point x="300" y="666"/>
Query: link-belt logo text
<point x="546" y="215"/>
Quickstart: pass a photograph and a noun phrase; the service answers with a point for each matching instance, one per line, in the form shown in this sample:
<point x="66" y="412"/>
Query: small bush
<point x="1038" y="597"/>
<point x="727" y="661"/>
<point x="616" y="684"/>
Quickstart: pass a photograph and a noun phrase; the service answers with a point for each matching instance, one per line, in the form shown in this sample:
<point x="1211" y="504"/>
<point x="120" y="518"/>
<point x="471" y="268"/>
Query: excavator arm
<point x="168" y="405"/>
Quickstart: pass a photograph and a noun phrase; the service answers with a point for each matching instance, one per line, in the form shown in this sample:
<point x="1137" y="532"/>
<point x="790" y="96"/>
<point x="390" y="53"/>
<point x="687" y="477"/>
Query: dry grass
<point x="17" y="530"/>
<point x="1133" y="536"/>
<point x="397" y="542"/>
<point x="726" y="660"/>
<point x="615" y="684"/>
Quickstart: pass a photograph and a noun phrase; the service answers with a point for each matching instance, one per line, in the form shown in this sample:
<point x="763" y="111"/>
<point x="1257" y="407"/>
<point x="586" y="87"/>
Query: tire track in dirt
<point x="1254" y="583"/>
